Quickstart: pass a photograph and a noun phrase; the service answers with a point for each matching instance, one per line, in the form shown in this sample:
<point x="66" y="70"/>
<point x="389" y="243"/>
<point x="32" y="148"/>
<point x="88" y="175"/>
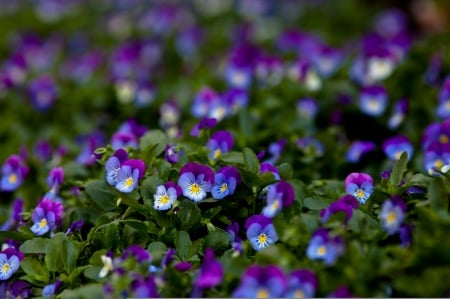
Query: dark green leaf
<point x="399" y="169"/>
<point x="153" y="142"/>
<point x="286" y="171"/>
<point x="36" y="245"/>
<point x="316" y="203"/>
<point x="217" y="239"/>
<point x="33" y="268"/>
<point x="438" y="194"/>
<point x="251" y="161"/>
<point x="84" y="292"/>
<point x="182" y="244"/>
<point x="189" y="214"/>
<point x="101" y="194"/>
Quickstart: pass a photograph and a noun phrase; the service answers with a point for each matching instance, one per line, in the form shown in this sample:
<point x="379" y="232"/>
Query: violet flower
<point x="15" y="218"/>
<point x="172" y="153"/>
<point x="205" y="123"/>
<point x="166" y="195"/>
<point x="437" y="158"/>
<point x="373" y="100"/>
<point x="345" y="204"/>
<point x="203" y="101"/>
<point x="211" y="273"/>
<point x="392" y="215"/>
<point x="340" y="292"/>
<point x="307" y="108"/>
<point x="170" y="113"/>
<point x="51" y="290"/>
<point x="399" y="114"/>
<point x="261" y="282"/>
<point x="89" y="143"/>
<point x="323" y="246"/>
<point x="236" y="241"/>
<point x="145" y="287"/>
<point x="129" y="174"/>
<point x="302" y="283"/>
<point x="137" y="252"/>
<point x="326" y="60"/>
<point x="225" y="181"/>
<point x="220" y="142"/>
<point x="260" y="231"/>
<point x="46" y="216"/>
<point x="113" y="165"/>
<point x="443" y="108"/>
<point x="43" y="93"/>
<point x="14" y="172"/>
<point x="235" y="99"/>
<point x="281" y="194"/>
<point x="360" y="185"/>
<point x="76" y="225"/>
<point x="195" y="181"/>
<point x="394" y="146"/>
<point x="357" y="149"/>
<point x="10" y="259"/>
<point x="54" y="180"/>
<point x="268" y="70"/>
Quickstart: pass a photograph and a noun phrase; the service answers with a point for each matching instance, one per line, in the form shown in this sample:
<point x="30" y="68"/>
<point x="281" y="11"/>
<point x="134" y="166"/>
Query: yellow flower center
<point x="443" y="138"/>
<point x="374" y="104"/>
<point x="12" y="178"/>
<point x="275" y="204"/>
<point x="322" y="250"/>
<point x="43" y="223"/>
<point x="447" y="104"/>
<point x="164" y="199"/>
<point x="439" y="163"/>
<point x="262" y="239"/>
<point x="217" y="153"/>
<point x="299" y="294"/>
<point x="194" y="189"/>
<point x="360" y="193"/>
<point x="5" y="268"/>
<point x="129" y="182"/>
<point x="390" y="217"/>
<point x="262" y="293"/>
<point x="223" y="187"/>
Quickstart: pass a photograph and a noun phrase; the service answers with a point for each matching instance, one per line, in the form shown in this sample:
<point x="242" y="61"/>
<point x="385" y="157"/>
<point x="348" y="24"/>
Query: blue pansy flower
<point x="165" y="196"/>
<point x="323" y="246"/>
<point x="127" y="179"/>
<point x="373" y="100"/>
<point x="260" y="231"/>
<point x="219" y="143"/>
<point x="225" y="182"/>
<point x="261" y="282"/>
<point x="360" y="185"/>
<point x="195" y="181"/>
<point x="113" y="165"/>
<point x="393" y="213"/>
<point x="9" y="262"/>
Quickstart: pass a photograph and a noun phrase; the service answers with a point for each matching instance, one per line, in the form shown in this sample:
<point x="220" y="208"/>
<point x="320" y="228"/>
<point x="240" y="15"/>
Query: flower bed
<point x="224" y="149"/>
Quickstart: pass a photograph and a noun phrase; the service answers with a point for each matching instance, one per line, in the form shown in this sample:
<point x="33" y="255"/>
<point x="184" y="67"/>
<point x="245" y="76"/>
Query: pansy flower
<point x="144" y="287"/>
<point x="235" y="98"/>
<point x="437" y="157"/>
<point x="394" y="146"/>
<point x="310" y="146"/>
<point x="113" y="165"/>
<point x="236" y="241"/>
<point x="238" y="76"/>
<point x="373" y="100"/>
<point x="108" y="265"/>
<point x="43" y="92"/>
<point x="137" y="252"/>
<point x="392" y="215"/>
<point x="280" y="195"/>
<point x="307" y="108"/>
<point x="195" y="180"/>
<point x="203" y="101"/>
<point x="268" y="167"/>
<point x="46" y="216"/>
<point x="340" y="292"/>
<point x="405" y="233"/>
<point x="275" y="149"/>
<point x="74" y="226"/>
<point x="123" y="140"/>
<point x="210" y="275"/>
<point x="443" y="108"/>
<point x="13" y="173"/>
<point x="399" y="113"/>
<point x="225" y="181"/>
<point x="261" y="282"/>
<point x="54" y="180"/>
<point x="205" y="123"/>
<point x="302" y="283"/>
<point x="304" y="71"/>
<point x="268" y="69"/>
<point x="10" y="259"/>
<point x="129" y="175"/>
<point x="50" y="290"/>
<point x="15" y="218"/>
<point x="345" y="204"/>
<point x="170" y="113"/>
<point x="326" y="60"/>
<point x="324" y="246"/>
<point x="89" y="143"/>
<point x="172" y="153"/>
<point x="260" y="231"/>
<point x="220" y="142"/>
<point x="360" y="185"/>
<point x="165" y="196"/>
<point x="357" y="149"/>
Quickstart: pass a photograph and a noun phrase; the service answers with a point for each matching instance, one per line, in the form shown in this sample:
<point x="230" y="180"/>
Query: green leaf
<point x="35" y="270"/>
<point x="18" y="236"/>
<point x="182" y="244"/>
<point x="217" y="239"/>
<point x="36" y="245"/>
<point x="232" y="158"/>
<point x="251" y="161"/>
<point x="315" y="203"/>
<point x="437" y="193"/>
<point x="61" y="253"/>
<point x="399" y="169"/>
<point x="286" y="171"/>
<point x="153" y="143"/>
<point x="69" y="255"/>
<point x="157" y="250"/>
<point x="189" y="214"/>
<point x="101" y="194"/>
<point x="84" y="292"/>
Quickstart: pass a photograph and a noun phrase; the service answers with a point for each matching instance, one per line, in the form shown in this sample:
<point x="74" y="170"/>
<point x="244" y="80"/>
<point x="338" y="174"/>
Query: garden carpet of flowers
<point x="224" y="148"/>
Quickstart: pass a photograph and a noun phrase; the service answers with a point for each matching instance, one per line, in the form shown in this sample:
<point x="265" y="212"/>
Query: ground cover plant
<point x="247" y="148"/>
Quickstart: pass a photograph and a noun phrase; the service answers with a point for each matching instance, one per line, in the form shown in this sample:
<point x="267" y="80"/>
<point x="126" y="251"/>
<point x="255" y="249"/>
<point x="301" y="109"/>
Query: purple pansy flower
<point x="399" y="113"/>
<point x="324" y="246"/>
<point x="15" y="218"/>
<point x="74" y="226"/>
<point x="54" y="180"/>
<point x="195" y="180"/>
<point x="268" y="167"/>
<point x="10" y="259"/>
<point x="373" y="100"/>
<point x="345" y="204"/>
<point x="360" y="185"/>
<point x="307" y="108"/>
<point x="219" y="143"/>
<point x="357" y="149"/>
<point x="405" y="233"/>
<point x="225" y="181"/>
<point x="172" y="153"/>
<point x="281" y="194"/>
<point x="46" y="216"/>
<point x="144" y="287"/>
<point x="302" y="283"/>
<point x="392" y="215"/>
<point x="235" y="98"/>
<point x="89" y="143"/>
<point x="443" y="108"/>
<point x="275" y="149"/>
<point x="51" y="290"/>
<point x="205" y="123"/>
<point x="310" y="146"/>
<point x="236" y="241"/>
<point x="260" y="231"/>
<point x="170" y="113"/>
<point x="13" y="173"/>
<point x="129" y="175"/>
<point x="211" y="273"/>
<point x="113" y="165"/>
<point x="43" y="92"/>
<point x="340" y="292"/>
<point x="16" y="289"/>
<point x="203" y="102"/>
<point x="123" y="140"/>
<point x="326" y="60"/>
<point x="166" y="195"/>
<point x="138" y="252"/>
<point x="437" y="157"/>
<point x="394" y="146"/>
<point x="261" y="282"/>
<point x="268" y="70"/>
